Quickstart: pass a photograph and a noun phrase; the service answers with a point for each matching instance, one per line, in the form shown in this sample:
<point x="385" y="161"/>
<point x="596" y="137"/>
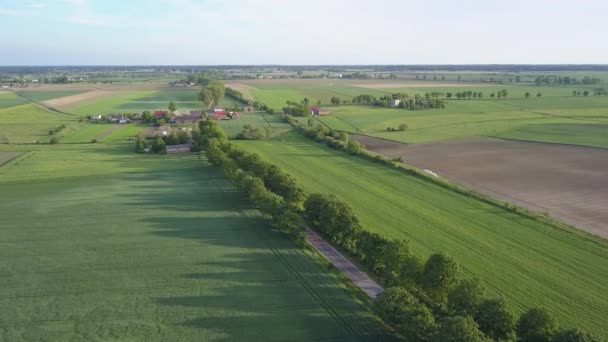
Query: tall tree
<point x="536" y="325"/>
<point x="495" y="319"/>
<point x="172" y="107"/>
<point x="466" y="296"/>
<point x="439" y="276"/>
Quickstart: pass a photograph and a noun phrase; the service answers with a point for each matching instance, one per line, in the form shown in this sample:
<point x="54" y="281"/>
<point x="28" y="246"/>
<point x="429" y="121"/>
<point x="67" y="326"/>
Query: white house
<point x="96" y="117"/>
<point x="394" y="102"/>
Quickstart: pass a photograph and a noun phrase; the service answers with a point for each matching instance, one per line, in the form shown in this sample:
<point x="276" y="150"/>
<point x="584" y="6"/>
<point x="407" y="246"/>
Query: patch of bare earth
<point x="568" y="182"/>
<point x="69" y="100"/>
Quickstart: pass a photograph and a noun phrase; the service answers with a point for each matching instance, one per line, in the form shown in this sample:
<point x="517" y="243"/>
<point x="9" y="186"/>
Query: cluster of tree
<point x="465" y="94"/>
<point x="58" y="129"/>
<point x="336" y="100"/>
<point x="528" y="95"/>
<point x="418" y="102"/>
<point x="250" y="132"/>
<point x="298" y="109"/>
<point x="402" y="127"/>
<point x="212" y="91"/>
<point x="596" y="92"/>
<point x="552" y="80"/>
<point x="63" y="79"/>
<point x="356" y="75"/>
<point x="274" y="192"/>
<point x="237" y="95"/>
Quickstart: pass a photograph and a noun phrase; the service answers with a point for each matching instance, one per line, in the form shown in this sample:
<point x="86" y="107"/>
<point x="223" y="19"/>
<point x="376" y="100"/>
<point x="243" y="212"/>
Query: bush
<point x="574" y="335"/>
<point x="403" y="127"/>
<point x="159" y="146"/>
<point x="94" y="141"/>
<point x="354" y="147"/>
<point x="54" y="140"/>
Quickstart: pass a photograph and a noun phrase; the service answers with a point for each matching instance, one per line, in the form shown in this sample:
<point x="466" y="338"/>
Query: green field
<point x="527" y="261"/>
<point x="130" y="101"/>
<point x="595" y="135"/>
<point x="99" y="243"/>
<point x="29" y="123"/>
<point x="508" y="117"/>
<point x="255" y="119"/>
<point x="10" y="99"/>
<point x="44" y="95"/>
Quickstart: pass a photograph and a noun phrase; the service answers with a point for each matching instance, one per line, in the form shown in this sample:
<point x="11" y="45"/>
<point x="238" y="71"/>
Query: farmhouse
<point x="116" y="117"/>
<point x="314" y="110"/>
<point x="222" y="114"/>
<point x="160" y="113"/>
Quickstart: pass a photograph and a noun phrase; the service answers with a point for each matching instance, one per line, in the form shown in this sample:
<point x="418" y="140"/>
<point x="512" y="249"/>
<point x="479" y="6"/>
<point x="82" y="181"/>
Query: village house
<point x="116" y="117"/>
<point x="315" y="110"/>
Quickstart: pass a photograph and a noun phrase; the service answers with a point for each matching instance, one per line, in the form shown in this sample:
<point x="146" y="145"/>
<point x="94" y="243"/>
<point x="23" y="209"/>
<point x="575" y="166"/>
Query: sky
<point x="309" y="32"/>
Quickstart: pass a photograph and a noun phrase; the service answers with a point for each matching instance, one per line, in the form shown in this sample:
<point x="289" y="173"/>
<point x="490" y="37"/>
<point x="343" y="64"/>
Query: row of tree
<point x="274" y="192"/>
<point x="565" y="80"/>
<point x="418" y="102"/>
<point x="237" y="95"/>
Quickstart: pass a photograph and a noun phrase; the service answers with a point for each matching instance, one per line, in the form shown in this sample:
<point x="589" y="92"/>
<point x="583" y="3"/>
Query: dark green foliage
<point x="412" y="319"/>
<point x="439" y="276"/>
<point x="403" y="127"/>
<point x="237" y="95"/>
<point x="536" y="325"/>
<point x="140" y="143"/>
<point x="252" y="133"/>
<point x="466" y="296"/>
<point x="459" y="329"/>
<point x="54" y="140"/>
<point x="495" y="319"/>
<point x="159" y="146"/>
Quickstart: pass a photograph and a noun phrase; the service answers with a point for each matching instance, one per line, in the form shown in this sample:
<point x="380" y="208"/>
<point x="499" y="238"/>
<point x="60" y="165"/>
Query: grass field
<point x="99" y="243"/>
<point x="10" y="99"/>
<point x="28" y="123"/>
<point x="256" y="119"/>
<point x="529" y="262"/>
<point x="44" y="95"/>
<point x="130" y="101"/>
<point x="595" y="135"/>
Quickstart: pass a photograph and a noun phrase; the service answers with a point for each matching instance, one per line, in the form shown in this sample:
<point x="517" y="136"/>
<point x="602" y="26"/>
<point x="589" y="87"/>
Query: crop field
<point x="595" y="135"/>
<point x="99" y="243"/>
<point x="45" y="95"/>
<point x="10" y="99"/>
<point x="129" y="101"/>
<point x="28" y="123"/>
<point x="255" y="119"/>
<point x="504" y="249"/>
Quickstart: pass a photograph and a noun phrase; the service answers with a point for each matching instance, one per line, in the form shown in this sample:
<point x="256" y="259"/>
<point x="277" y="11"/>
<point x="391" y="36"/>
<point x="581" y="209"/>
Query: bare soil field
<point x="68" y="100"/>
<point x="569" y="183"/>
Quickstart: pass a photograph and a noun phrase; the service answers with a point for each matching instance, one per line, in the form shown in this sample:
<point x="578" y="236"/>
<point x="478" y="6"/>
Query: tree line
<point x="565" y="80"/>
<point x="418" y="102"/>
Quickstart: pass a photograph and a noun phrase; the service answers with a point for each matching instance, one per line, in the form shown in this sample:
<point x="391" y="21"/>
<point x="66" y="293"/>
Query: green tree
<point x="402" y="310"/>
<point x="586" y="93"/>
<point x="172" y="107"/>
<point x="466" y="296"/>
<point x="159" y="146"/>
<point x="459" y="329"/>
<point x="574" y="335"/>
<point x="536" y="325"/>
<point x="140" y="143"/>
<point x="495" y="319"/>
<point x="54" y="140"/>
<point x="527" y="95"/>
<point x="335" y="100"/>
<point x="173" y="139"/>
<point x="439" y="276"/>
<point x="354" y="147"/>
<point x="539" y="94"/>
<point x="403" y="127"/>
<point x="343" y="137"/>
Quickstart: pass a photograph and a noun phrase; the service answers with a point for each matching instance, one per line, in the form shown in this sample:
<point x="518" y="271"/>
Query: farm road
<point x="359" y="278"/>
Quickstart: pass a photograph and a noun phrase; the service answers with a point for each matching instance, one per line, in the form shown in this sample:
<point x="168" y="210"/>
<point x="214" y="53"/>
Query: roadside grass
<point x="103" y="244"/>
<point x="527" y="261"/>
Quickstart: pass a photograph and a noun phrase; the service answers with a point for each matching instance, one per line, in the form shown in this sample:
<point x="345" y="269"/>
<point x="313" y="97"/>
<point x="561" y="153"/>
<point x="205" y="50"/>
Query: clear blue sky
<point x="111" y="32"/>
